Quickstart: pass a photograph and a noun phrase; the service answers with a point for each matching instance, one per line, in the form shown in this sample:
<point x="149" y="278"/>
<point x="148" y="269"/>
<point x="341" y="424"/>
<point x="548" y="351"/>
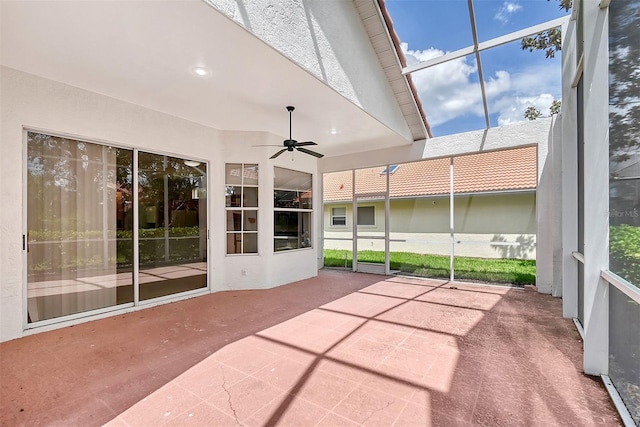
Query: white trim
<point x="507" y="38"/>
<point x="170" y="297"/>
<point x="354" y="219"/>
<point x="136" y="229"/>
<point x="445" y="195"/>
<point x="440" y="59"/>
<point x="286" y="251"/>
<point x="526" y="32"/>
<point x="332" y="216"/>
<point x="578" y="256"/>
<point x="622" y="285"/>
<point x="452" y="221"/>
<point x="579" y="327"/>
<point x="387" y="221"/>
<point x="578" y="74"/>
<point x="407" y="86"/>
<point x="25" y="231"/>
<point x="575" y="11"/>
<point x="474" y="33"/>
<point x="368" y="195"/>
<point x="605" y="4"/>
<point x="627" y="420"/>
<point x="85" y="316"/>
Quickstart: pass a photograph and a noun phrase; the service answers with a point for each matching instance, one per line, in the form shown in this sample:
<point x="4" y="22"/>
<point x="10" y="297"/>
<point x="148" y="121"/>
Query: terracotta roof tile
<point x="514" y="169"/>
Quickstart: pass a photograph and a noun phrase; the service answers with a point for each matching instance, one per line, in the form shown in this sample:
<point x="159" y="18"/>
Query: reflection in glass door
<point x="79" y="230"/>
<point x="81" y="226"/>
<point x="171" y="225"/>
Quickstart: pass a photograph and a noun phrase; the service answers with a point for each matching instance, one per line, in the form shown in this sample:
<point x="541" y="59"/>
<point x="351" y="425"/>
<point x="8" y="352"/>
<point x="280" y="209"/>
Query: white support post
<point x="596" y="184"/>
<point x="354" y="222"/>
<point x="451" y="222"/>
<point x="136" y="233"/>
<point x="387" y="216"/>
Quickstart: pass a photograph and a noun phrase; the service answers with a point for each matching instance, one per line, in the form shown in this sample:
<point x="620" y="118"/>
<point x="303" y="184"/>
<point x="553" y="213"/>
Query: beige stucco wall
<point x="488" y="226"/>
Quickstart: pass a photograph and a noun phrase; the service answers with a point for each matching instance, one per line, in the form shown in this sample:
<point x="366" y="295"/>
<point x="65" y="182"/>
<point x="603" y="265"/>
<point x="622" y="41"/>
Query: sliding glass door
<point x="171" y="225"/>
<point x="81" y="226"/>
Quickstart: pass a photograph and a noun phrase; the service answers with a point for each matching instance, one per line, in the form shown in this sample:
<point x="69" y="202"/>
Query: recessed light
<point x="334" y="131"/>
<point x="201" y="71"/>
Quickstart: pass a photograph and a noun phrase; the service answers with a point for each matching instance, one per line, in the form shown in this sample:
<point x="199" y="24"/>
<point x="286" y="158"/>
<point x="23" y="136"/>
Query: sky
<point x="450" y="92"/>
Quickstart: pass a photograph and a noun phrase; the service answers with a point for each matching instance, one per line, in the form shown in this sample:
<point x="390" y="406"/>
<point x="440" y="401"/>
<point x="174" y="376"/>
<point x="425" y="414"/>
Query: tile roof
<point x="506" y="170"/>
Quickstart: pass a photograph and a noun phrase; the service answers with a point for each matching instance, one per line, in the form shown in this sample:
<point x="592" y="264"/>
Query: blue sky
<point x="450" y="92"/>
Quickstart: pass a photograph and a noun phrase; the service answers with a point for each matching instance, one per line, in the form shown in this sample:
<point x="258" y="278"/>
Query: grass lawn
<point x="516" y="271"/>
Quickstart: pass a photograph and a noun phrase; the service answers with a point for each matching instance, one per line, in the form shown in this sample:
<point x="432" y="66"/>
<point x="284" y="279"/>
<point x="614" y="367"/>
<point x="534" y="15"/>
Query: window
<point x="292" y="203"/>
<point x="338" y="217"/>
<point x="367" y="216"/>
<point x="241" y="201"/>
<point x="390" y="170"/>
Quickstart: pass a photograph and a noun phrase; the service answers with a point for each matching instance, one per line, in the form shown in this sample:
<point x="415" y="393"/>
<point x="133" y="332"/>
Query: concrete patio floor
<point x="341" y="349"/>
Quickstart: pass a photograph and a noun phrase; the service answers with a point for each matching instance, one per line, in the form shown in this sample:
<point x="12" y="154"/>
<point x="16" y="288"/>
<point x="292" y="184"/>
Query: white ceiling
<point x="144" y="52"/>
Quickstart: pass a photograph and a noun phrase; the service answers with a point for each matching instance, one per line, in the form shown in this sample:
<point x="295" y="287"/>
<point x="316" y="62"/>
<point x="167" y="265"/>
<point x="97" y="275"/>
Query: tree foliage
<point x="550" y="41"/>
<point x="532" y="113"/>
<point x="555" y="107"/>
<point x="624" y="81"/>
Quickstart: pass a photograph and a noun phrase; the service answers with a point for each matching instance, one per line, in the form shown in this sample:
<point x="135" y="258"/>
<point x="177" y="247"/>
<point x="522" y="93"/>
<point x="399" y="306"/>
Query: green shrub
<point x="624" y="252"/>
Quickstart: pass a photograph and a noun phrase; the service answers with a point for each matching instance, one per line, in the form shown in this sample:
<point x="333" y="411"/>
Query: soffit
<point x="381" y="34"/>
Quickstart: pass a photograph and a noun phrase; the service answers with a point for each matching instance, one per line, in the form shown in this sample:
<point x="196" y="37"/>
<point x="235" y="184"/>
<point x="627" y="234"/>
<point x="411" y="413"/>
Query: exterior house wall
<point x="485" y="225"/>
<point x="40" y="104"/>
<point x="311" y="33"/>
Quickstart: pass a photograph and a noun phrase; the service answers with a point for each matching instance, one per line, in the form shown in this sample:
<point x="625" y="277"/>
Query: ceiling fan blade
<point x="278" y="153"/>
<point x="301" y="144"/>
<point x="313" y="153"/>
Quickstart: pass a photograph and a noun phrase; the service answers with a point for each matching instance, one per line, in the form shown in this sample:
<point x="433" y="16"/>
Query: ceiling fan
<point x="291" y="144"/>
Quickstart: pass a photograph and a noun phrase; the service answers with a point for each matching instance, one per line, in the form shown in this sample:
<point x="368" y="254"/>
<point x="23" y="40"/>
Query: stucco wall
<point x="327" y="39"/>
<point x="492" y="226"/>
<point x="36" y="103"/>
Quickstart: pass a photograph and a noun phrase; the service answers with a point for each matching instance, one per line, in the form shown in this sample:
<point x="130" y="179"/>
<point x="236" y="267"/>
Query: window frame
<point x="374" y="216"/>
<point x="242" y="209"/>
<point x="298" y="210"/>
<point x="334" y="216"/>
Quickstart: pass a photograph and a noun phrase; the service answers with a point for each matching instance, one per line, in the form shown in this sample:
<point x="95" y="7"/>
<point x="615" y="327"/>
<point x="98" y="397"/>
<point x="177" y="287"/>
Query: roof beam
<point x="474" y="31"/>
<point x="498" y="41"/>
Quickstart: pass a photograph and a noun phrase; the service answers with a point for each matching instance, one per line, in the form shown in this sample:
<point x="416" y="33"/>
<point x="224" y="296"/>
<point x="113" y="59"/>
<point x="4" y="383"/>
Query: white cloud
<point x="504" y="13"/>
<point x="448" y="90"/>
<point x="536" y="86"/>
<point x="511" y="109"/>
